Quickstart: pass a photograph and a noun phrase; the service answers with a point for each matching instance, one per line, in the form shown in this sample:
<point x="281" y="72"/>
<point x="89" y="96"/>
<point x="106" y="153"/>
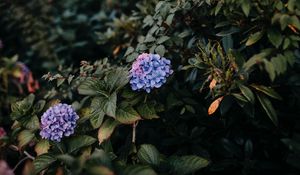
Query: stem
<point x="28" y="156"/>
<point x="22" y="160"/>
<point x="145" y="99"/>
<point x="134" y="131"/>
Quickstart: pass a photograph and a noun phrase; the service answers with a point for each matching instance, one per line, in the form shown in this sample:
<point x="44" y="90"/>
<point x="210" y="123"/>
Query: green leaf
<point x="247" y="93"/>
<point x="128" y="51"/>
<point x="25" y="137"/>
<point x="253" y="38"/>
<point x="267" y="91"/>
<point x="107" y="104"/>
<point x="160" y="50"/>
<point x="162" y="39"/>
<point x="187" y="164"/>
<point x="284" y="21"/>
<point x="246" y="6"/>
<point x="286" y="43"/>
<point x="31" y="123"/>
<point x="39" y="106"/>
<point x="147" y="111"/>
<point x="106" y="129"/>
<point x="240" y="97"/>
<point x="20" y="108"/>
<point x="257" y="58"/>
<point x="138" y="170"/>
<point x="77" y="142"/>
<point x="93" y="87"/>
<point x="230" y="31"/>
<point x="270" y="69"/>
<point x="275" y="37"/>
<point x="127" y="115"/>
<point x="218" y="7"/>
<point x="67" y="159"/>
<point x="268" y="107"/>
<point x="148" y="154"/>
<point x="42" y="147"/>
<point x="42" y="162"/>
<point x="96" y="115"/>
<point x="117" y="79"/>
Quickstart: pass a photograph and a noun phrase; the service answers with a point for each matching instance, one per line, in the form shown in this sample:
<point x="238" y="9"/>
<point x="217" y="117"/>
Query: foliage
<point x="230" y="106"/>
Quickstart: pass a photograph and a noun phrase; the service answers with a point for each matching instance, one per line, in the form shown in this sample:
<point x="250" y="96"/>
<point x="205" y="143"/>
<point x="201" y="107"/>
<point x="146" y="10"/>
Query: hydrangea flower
<point x="149" y="71"/>
<point x="58" y="121"/>
<point x="5" y="169"/>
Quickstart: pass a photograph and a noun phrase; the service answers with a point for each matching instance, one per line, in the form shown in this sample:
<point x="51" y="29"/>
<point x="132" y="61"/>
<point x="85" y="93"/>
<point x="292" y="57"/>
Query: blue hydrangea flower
<point x="149" y="71"/>
<point x="58" y="121"/>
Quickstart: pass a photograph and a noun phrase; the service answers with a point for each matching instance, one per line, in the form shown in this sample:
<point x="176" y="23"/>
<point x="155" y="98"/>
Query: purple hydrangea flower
<point x="58" y="121"/>
<point x="149" y="71"/>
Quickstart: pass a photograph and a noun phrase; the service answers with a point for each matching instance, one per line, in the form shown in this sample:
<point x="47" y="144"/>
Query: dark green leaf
<point x="247" y="93"/>
<point x="42" y="162"/>
<point x="77" y="142"/>
<point x="138" y="170"/>
<point x="267" y="90"/>
<point x="187" y="164"/>
<point x="127" y="115"/>
<point x="148" y="154"/>
<point x="268" y="107"/>
<point x="275" y="37"/>
<point x="147" y="111"/>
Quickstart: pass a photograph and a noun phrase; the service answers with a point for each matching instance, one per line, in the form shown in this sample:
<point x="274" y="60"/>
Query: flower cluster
<point x="149" y="71"/>
<point x="5" y="169"/>
<point x="24" y="76"/>
<point x="2" y="132"/>
<point x="58" y="121"/>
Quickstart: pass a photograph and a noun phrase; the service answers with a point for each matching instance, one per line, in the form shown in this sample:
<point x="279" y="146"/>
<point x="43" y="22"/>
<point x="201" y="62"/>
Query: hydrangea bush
<point x="167" y="87"/>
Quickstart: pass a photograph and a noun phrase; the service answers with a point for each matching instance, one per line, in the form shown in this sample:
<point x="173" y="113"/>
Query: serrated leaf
<point x="147" y="111"/>
<point x="77" y="142"/>
<point x="42" y="147"/>
<point x="268" y="107"/>
<point x="42" y="162"/>
<point x="247" y="93"/>
<point x="117" y="78"/>
<point x="187" y="164"/>
<point x="148" y="154"/>
<point x="138" y="170"/>
<point x="267" y="90"/>
<point x="31" y="123"/>
<point x="107" y="104"/>
<point x="25" y="137"/>
<point x="20" y="108"/>
<point x="275" y="37"/>
<point x="253" y="38"/>
<point x="127" y="115"/>
<point x="106" y="129"/>
<point x="39" y="106"/>
<point x="92" y="87"/>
